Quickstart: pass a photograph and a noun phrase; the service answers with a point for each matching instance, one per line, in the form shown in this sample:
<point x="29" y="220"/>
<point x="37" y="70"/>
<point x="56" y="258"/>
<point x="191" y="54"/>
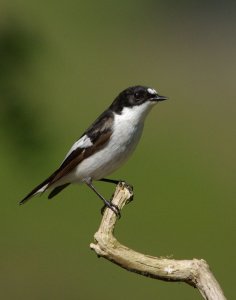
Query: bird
<point x="104" y="146"/>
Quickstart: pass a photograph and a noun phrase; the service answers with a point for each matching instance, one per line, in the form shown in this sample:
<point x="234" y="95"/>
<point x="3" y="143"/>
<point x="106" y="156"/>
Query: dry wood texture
<point x="195" y="272"/>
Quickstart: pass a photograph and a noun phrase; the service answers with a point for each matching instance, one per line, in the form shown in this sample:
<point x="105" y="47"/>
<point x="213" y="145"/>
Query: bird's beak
<point x="159" y="98"/>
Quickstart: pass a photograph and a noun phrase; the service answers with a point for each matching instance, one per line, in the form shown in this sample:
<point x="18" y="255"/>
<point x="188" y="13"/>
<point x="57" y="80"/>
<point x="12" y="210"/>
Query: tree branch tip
<point x="126" y="196"/>
<point x="125" y="185"/>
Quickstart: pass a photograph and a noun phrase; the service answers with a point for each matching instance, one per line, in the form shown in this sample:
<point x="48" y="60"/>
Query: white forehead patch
<point x="152" y="91"/>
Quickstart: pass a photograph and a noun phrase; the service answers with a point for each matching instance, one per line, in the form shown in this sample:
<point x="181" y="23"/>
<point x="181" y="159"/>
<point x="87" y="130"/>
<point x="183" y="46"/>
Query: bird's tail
<point x="42" y="187"/>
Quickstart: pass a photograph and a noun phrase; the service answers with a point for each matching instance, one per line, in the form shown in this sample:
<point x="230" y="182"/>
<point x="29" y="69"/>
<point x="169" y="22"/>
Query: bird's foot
<point x="113" y="207"/>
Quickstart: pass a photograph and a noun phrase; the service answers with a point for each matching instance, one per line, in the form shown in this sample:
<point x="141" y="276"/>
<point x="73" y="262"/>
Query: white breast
<point x="127" y="130"/>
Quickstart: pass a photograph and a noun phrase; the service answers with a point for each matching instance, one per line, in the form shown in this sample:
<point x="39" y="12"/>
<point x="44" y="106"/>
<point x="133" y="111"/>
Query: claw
<point x="113" y="207"/>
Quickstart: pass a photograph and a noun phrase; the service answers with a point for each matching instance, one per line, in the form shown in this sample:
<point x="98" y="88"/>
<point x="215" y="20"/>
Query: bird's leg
<point x="115" y="181"/>
<point x="110" y="180"/>
<point x="112" y="206"/>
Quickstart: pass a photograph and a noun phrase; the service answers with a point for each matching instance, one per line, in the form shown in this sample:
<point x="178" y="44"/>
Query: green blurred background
<point x="61" y="64"/>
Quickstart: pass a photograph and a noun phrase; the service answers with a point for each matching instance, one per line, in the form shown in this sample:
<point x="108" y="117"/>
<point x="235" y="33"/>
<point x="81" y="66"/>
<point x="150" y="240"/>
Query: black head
<point x="135" y="95"/>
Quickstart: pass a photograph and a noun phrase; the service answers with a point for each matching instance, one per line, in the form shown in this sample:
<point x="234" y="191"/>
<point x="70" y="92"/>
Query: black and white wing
<point x="94" y="139"/>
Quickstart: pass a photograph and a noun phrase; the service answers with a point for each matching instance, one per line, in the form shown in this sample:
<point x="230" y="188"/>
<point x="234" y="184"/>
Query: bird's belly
<point x="111" y="157"/>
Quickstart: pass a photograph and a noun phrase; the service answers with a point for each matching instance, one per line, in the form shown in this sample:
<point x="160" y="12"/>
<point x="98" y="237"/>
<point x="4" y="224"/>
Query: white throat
<point x="136" y="114"/>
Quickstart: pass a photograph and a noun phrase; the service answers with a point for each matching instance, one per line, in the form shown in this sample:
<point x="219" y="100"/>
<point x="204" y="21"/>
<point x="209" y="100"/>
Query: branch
<point x="194" y="272"/>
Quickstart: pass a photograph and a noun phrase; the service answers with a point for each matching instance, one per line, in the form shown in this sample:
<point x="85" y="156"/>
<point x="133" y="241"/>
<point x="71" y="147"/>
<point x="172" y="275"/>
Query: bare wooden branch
<point x="194" y="272"/>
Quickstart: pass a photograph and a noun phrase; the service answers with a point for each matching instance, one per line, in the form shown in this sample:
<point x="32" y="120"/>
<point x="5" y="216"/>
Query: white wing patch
<point x="83" y="142"/>
<point x="152" y="91"/>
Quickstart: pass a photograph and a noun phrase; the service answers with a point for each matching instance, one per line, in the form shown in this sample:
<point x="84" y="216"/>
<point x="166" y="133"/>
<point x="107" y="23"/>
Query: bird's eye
<point x="139" y="95"/>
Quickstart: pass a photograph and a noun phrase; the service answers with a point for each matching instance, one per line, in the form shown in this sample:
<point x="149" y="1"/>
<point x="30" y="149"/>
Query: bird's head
<point x="136" y="96"/>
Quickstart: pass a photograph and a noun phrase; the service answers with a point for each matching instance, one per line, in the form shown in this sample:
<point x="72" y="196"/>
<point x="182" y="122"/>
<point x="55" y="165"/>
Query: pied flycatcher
<point x="105" y="145"/>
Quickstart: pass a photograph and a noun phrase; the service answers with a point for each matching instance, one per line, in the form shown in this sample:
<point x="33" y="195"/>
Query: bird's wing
<point x="94" y="139"/>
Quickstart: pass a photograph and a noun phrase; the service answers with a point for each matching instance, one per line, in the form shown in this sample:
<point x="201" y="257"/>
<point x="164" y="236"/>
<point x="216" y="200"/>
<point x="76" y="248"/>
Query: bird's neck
<point x="135" y="115"/>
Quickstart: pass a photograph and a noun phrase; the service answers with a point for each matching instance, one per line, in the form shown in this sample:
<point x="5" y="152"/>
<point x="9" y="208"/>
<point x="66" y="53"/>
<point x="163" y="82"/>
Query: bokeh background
<point x="61" y="64"/>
